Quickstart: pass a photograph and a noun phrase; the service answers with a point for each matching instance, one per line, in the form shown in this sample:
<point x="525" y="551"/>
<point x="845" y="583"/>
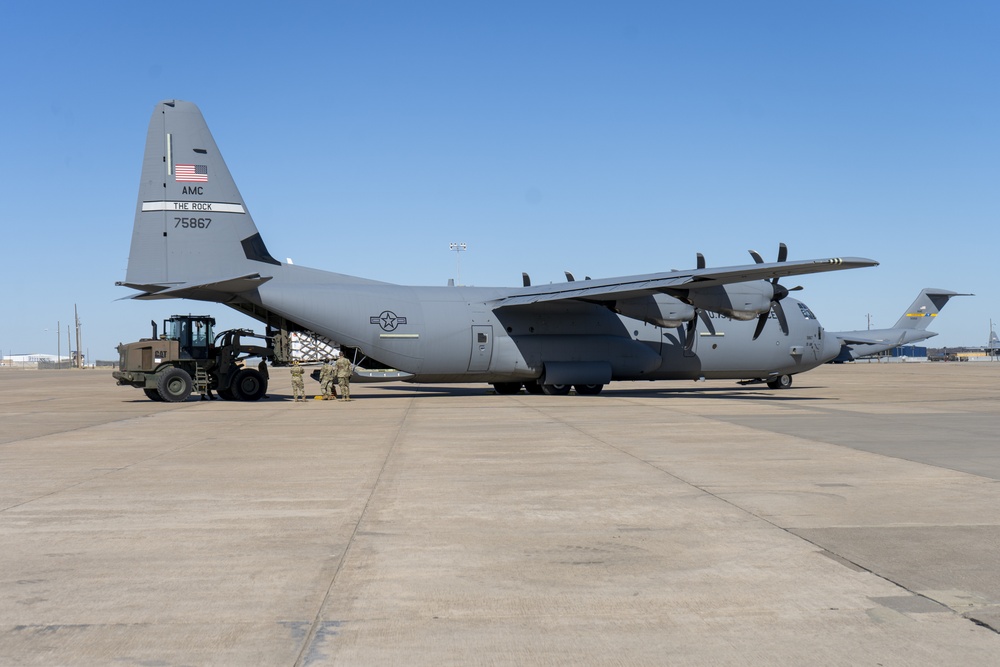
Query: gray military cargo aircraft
<point x="910" y="328"/>
<point x="194" y="238"/>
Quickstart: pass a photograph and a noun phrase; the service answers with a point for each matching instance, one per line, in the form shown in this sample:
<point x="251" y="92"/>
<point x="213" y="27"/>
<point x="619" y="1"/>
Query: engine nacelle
<point x="659" y="309"/>
<point x="740" y="301"/>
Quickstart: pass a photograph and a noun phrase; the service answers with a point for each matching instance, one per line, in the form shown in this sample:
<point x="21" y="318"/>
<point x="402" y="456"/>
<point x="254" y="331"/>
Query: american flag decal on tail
<point x="191" y="173"/>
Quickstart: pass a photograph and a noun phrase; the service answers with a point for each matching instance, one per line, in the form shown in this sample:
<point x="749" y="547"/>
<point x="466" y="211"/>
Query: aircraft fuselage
<point x="451" y="334"/>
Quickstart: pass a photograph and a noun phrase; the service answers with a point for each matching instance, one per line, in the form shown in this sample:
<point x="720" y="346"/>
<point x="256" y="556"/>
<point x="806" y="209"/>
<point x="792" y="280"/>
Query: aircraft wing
<point x="672" y="282"/>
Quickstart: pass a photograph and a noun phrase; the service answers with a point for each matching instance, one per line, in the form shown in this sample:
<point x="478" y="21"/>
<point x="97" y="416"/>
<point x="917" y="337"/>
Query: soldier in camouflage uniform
<point x="326" y="377"/>
<point x="343" y="367"/>
<point x="298" y="387"/>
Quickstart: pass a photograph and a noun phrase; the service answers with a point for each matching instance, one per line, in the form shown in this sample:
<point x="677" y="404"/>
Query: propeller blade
<point x="701" y="261"/>
<point x="569" y="277"/>
<point x="761" y="321"/>
<point x="708" y="321"/>
<point x="525" y="279"/>
<point x="779" y="310"/>
<point x="780" y="292"/>
<point x="689" y="333"/>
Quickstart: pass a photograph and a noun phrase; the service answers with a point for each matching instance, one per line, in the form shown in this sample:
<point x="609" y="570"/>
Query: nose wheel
<point x="780" y="382"/>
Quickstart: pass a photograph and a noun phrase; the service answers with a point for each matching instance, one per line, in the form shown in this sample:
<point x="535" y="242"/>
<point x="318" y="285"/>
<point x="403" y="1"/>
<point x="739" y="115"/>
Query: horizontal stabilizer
<point x="210" y="291"/>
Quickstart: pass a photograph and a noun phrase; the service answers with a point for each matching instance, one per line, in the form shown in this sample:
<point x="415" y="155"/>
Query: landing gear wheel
<point x="174" y="385"/>
<point x="153" y="395"/>
<point x="555" y="389"/>
<point x="533" y="387"/>
<point x="249" y="385"/>
<point x="507" y="388"/>
<point x="588" y="389"/>
<point x="780" y="382"/>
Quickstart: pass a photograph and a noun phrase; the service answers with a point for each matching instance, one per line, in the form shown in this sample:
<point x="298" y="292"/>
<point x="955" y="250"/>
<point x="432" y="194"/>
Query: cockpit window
<point x="806" y="313"/>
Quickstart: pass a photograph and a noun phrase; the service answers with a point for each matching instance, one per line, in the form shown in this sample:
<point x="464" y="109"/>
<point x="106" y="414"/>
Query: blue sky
<point x="601" y="138"/>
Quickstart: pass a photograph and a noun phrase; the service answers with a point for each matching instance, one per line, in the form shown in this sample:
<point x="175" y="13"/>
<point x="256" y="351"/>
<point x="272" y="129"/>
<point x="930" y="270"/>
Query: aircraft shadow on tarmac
<point x="749" y="393"/>
<point x="740" y="393"/>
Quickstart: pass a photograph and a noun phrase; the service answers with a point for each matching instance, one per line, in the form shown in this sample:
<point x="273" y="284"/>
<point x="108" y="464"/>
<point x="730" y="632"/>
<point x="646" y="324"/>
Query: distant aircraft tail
<point x="925" y="308"/>
<point x="911" y="327"/>
<point x="193" y="236"/>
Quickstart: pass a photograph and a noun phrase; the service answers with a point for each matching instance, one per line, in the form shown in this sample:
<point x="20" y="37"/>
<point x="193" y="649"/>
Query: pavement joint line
<point x="104" y="471"/>
<point x="980" y="623"/>
<point x="883" y="577"/>
<point x="317" y="622"/>
<point x="770" y="522"/>
<point x="84" y="427"/>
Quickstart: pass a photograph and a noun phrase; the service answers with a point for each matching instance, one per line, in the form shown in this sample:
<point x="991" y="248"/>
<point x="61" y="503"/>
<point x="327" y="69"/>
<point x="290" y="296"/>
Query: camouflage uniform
<point x="298" y="387"/>
<point x="326" y="376"/>
<point x="343" y="367"/>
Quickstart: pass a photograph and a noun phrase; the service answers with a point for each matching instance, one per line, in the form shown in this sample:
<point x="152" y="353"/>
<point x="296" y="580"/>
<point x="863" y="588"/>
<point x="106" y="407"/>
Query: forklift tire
<point x="174" y="385"/>
<point x="249" y="385"/>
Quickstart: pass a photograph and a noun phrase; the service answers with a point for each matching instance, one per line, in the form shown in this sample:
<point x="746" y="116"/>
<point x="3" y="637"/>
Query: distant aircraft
<point x="911" y="327"/>
<point x="994" y="343"/>
<point x="193" y="238"/>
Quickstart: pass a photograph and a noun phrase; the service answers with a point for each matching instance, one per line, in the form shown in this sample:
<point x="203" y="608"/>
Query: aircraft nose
<point x="831" y="347"/>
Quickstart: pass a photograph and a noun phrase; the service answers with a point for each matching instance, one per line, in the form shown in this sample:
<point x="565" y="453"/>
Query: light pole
<point x="458" y="248"/>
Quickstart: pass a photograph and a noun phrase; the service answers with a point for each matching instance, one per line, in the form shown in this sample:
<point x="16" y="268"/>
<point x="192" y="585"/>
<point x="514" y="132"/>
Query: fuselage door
<point x="482" y="347"/>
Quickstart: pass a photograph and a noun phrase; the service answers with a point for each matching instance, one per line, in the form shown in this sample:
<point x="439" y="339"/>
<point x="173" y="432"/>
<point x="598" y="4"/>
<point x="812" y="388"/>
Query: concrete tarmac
<point x="853" y="519"/>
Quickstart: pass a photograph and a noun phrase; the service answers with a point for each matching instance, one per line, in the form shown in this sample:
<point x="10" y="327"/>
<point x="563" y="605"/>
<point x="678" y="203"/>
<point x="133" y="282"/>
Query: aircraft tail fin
<point x="925" y="308"/>
<point x="192" y="226"/>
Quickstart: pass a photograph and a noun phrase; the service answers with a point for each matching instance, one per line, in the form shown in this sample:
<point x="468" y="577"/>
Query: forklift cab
<point x="194" y="334"/>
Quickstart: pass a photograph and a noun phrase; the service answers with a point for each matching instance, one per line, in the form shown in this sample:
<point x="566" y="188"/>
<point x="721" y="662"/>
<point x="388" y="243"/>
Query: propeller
<point x="780" y="292"/>
<point x="692" y="324"/>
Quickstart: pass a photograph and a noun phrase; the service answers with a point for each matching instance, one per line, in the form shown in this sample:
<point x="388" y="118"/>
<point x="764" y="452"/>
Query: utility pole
<point x="58" y="344"/>
<point x="458" y="248"/>
<point x="79" y="355"/>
